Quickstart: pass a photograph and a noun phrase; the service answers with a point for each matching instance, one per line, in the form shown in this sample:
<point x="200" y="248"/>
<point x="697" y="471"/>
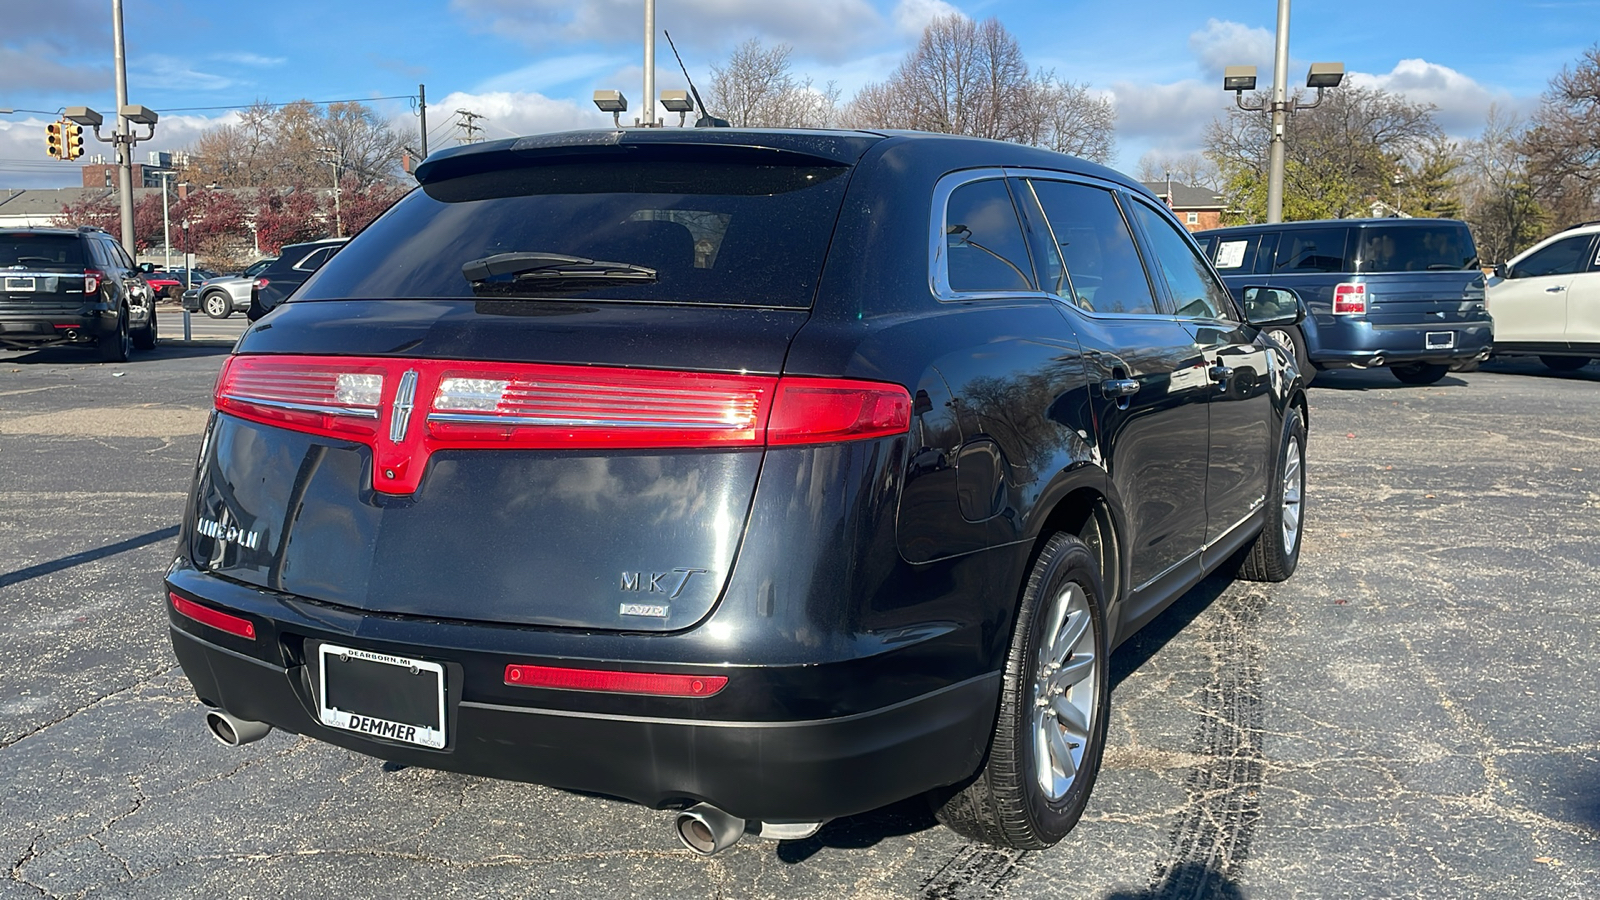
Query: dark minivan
<point x="766" y="476"/>
<point x="1402" y="293"/>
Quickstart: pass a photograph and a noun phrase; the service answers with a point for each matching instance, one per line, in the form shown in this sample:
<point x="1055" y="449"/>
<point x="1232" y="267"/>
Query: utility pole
<point x="422" y="110"/>
<point x="331" y="155"/>
<point x="649" y="112"/>
<point x="469" y="130"/>
<point x="124" y="142"/>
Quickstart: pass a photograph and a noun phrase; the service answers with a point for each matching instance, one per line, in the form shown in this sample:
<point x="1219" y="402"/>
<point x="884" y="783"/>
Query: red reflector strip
<point x="615" y="682"/>
<point x="69" y="325"/>
<point x="217" y="619"/>
<point x="812" y="411"/>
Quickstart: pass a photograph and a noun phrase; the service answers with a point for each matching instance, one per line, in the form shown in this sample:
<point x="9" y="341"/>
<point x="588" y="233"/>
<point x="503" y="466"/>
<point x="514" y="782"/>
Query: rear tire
<point x="1276" y="551"/>
<point x="115" y="346"/>
<point x="1564" y="363"/>
<point x="1419" y="373"/>
<point x="217" y="305"/>
<point x="1050" y="732"/>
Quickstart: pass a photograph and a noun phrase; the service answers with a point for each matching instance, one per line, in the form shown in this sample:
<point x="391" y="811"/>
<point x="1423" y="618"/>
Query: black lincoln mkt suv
<point x="763" y="476"/>
<point x="72" y="286"/>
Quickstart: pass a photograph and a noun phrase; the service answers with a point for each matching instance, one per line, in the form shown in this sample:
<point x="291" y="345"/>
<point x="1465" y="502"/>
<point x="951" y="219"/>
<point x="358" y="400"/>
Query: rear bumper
<point x="659" y="752"/>
<point x="1348" y="341"/>
<point x="41" y="329"/>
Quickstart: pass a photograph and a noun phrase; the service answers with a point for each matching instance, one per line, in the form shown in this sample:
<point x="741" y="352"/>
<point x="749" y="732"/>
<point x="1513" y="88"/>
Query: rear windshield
<point x="41" y="251"/>
<point x="1415" y="248"/>
<point x="664" y="231"/>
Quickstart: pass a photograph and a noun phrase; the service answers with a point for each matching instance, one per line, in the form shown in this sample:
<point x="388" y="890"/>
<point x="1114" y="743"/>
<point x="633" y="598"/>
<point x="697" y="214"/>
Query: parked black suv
<point x="768" y="476"/>
<point x="1402" y="293"/>
<point x="72" y="286"/>
<point x="294" y="265"/>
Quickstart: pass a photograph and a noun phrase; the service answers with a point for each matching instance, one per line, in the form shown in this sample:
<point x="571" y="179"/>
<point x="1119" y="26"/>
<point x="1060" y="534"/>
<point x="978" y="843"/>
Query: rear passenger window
<point x="1312" y="250"/>
<point x="1234" y="255"/>
<point x="984" y="247"/>
<point x="1565" y="257"/>
<point x="1195" y="292"/>
<point x="1102" y="262"/>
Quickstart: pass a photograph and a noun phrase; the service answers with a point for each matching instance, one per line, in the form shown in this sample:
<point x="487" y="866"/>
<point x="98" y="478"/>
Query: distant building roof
<point x="1185" y="197"/>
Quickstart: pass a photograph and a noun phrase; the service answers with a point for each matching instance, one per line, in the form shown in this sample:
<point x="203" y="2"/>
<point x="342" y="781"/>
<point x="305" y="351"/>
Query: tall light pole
<point x="1243" y="78"/>
<point x="166" y="225"/>
<point x="124" y="143"/>
<point x="649" y="116"/>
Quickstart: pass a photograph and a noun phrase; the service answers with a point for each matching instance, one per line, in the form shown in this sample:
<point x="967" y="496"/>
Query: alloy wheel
<point x="1064" y="686"/>
<point x="1293" y="486"/>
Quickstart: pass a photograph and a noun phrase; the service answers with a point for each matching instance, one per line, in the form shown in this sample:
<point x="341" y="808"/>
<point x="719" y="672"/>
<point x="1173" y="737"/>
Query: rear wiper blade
<point x="548" y="268"/>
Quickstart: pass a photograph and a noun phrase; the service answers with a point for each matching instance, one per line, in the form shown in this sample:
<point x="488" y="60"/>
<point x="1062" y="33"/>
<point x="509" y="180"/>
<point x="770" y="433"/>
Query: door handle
<point x="1220" y="373"/>
<point x="1555" y="290"/>
<point x="1118" y="388"/>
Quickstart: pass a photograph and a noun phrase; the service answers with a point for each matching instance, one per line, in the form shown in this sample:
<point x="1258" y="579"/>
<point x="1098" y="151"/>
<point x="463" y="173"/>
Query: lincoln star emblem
<point x="404" y="398"/>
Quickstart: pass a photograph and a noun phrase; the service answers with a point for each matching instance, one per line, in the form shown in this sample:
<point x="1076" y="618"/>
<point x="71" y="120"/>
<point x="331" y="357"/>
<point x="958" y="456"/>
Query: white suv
<point x="1546" y="301"/>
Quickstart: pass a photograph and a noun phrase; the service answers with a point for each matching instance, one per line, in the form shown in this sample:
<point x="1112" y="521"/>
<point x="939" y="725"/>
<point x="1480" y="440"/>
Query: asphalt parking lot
<point x="1415" y="714"/>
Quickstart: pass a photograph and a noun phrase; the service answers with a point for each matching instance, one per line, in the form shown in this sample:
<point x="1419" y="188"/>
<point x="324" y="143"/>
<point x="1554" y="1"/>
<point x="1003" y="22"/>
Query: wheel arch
<point x="1085" y="511"/>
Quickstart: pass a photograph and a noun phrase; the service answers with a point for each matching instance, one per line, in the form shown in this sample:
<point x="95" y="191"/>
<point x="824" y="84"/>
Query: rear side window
<point x="984" y="247"/>
<point x="41" y="251"/>
<point x="1312" y="250"/>
<point x="1564" y="257"/>
<point x="1102" y="261"/>
<point x="1235" y="255"/>
<point x="1418" y="248"/>
<point x="652" y="230"/>
<point x="315" y="260"/>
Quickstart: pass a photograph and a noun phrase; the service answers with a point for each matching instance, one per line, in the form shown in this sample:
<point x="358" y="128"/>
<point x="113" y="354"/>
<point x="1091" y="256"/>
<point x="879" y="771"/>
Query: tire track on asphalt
<point x="1212" y="837"/>
<point x="974" y="872"/>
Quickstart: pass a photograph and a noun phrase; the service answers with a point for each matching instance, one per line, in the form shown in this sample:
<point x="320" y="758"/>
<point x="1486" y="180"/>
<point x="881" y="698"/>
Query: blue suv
<point x="1403" y="293"/>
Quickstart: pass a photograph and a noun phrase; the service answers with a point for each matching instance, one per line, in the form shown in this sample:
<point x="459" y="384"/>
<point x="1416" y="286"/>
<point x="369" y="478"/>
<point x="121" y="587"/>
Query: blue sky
<point x="531" y="65"/>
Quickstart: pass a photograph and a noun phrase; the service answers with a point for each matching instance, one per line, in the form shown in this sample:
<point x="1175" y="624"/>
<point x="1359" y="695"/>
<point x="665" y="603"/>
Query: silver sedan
<point x="221" y="297"/>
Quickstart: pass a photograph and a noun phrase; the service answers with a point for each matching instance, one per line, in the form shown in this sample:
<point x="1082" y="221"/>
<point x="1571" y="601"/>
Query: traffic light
<point x="55" y="140"/>
<point x="73" y="144"/>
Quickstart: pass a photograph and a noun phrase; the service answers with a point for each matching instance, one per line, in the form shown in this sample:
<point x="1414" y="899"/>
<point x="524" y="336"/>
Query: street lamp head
<point x="1325" y="75"/>
<point x="677" y="101"/>
<point x="1239" y="78"/>
<point x="139" y="115"/>
<point x="611" y="101"/>
<point x="83" y="115"/>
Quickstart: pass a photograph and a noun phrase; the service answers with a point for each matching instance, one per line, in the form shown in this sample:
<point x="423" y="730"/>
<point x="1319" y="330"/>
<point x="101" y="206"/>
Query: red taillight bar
<point x="216" y="618"/>
<point x="1349" y="299"/>
<point x="92" y="279"/>
<point x="654" y="684"/>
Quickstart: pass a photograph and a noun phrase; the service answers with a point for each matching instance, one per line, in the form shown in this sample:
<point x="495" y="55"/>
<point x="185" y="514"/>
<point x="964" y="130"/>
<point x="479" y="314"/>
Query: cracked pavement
<point x="1414" y="714"/>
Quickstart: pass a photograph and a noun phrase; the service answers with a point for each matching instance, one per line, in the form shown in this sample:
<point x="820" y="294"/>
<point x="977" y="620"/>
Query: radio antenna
<point x="706" y="120"/>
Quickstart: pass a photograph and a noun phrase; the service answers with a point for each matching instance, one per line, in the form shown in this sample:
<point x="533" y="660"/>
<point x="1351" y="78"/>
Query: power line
<point x="469" y="130"/>
<point x="275" y="105"/>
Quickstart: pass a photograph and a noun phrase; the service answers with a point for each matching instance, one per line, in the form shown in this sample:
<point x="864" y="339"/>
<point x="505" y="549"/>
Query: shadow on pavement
<point x="78" y="559"/>
<point x="1376" y="380"/>
<point x="1189" y="881"/>
<point x="67" y="356"/>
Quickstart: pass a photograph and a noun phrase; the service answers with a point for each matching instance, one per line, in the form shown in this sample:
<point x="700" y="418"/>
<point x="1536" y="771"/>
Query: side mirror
<point x="1501" y="270"/>
<point x="1265" y="306"/>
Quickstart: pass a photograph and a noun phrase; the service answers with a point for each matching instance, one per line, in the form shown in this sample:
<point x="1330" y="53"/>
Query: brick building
<point x="1196" y="208"/>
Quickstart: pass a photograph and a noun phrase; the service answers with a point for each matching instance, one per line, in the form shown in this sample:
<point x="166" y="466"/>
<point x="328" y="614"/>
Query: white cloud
<point x="911" y="17"/>
<point x="550" y="72"/>
<point x="1462" y="102"/>
<point x="1169" y="117"/>
<point x="825" y="28"/>
<point x="255" y="60"/>
<point x="1222" y="43"/>
<point x="506" y="114"/>
<point x="171" y="73"/>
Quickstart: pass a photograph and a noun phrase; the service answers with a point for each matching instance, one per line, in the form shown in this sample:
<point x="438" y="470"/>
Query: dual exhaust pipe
<point x="703" y="828"/>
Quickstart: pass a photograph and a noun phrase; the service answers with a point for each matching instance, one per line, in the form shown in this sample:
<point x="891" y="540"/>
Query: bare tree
<point x="1340" y="157"/>
<point x="285" y="146"/>
<point x="757" y="89"/>
<point x="1563" y="141"/>
<point x="1192" y="169"/>
<point x="1499" y="200"/>
<point x="971" y="78"/>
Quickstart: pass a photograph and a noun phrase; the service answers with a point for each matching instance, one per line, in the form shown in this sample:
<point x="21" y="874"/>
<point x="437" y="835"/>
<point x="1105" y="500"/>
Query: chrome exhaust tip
<point x="707" y="830"/>
<point x="234" y="731"/>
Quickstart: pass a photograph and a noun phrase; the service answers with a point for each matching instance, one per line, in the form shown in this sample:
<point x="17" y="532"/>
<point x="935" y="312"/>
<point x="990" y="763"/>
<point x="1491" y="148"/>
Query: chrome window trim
<point x="938" y="266"/>
<point x="1201" y="254"/>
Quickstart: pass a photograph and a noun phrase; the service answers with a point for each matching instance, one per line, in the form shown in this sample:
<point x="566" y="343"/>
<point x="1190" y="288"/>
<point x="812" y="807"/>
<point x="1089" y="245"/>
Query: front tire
<point x="146" y="337"/>
<point x="1276" y="551"/>
<point x="1420" y="373"/>
<point x="1050" y="732"/>
<point x="217" y="305"/>
<point x="1564" y="363"/>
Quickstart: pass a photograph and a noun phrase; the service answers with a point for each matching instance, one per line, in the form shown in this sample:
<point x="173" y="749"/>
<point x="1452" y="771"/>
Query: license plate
<point x="14" y="283"/>
<point x="382" y="696"/>
<point x="1440" y="340"/>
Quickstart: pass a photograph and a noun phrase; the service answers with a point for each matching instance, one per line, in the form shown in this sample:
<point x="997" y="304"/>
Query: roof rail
<point x="83" y="228"/>
<point x="1581" y="225"/>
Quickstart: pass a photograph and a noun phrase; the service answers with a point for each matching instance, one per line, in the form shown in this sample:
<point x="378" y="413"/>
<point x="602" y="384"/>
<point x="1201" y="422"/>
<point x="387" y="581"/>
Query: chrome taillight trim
<point x="490" y="419"/>
<point x="359" y="411"/>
